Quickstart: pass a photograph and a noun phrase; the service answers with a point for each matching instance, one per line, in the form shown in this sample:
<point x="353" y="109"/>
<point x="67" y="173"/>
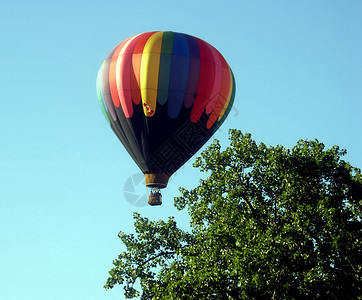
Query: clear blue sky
<point x="298" y="69"/>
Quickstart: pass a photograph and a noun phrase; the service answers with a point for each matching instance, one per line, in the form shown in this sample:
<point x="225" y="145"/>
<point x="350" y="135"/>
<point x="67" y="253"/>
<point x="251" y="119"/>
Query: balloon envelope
<point x="164" y="94"/>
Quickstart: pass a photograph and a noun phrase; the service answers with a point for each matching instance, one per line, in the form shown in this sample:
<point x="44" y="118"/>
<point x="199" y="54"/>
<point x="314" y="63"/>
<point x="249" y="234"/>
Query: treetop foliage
<point x="267" y="223"/>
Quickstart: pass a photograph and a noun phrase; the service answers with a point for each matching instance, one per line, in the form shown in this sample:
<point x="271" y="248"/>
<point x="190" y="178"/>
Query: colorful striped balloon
<point x="155" y="84"/>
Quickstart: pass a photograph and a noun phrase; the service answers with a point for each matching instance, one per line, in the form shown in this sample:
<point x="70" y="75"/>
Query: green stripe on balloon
<point x="165" y="67"/>
<point x="100" y="94"/>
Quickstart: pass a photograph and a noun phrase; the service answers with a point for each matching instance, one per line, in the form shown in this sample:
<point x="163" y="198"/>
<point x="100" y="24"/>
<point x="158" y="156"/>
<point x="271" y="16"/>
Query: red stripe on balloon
<point x="206" y="81"/>
<point x="123" y="75"/>
<point x="218" y="80"/>
<point x="112" y="74"/>
<point x="224" y="93"/>
<point x="135" y="88"/>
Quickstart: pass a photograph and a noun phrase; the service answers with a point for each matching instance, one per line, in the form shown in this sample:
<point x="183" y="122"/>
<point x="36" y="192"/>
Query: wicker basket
<point x="155" y="198"/>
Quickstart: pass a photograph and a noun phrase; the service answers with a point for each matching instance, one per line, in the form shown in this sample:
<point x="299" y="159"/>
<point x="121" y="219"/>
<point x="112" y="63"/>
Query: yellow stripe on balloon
<point x="228" y="98"/>
<point x="150" y="64"/>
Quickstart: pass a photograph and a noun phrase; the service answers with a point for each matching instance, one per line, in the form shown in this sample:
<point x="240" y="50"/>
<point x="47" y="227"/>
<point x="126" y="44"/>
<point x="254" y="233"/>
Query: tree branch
<point x="254" y="212"/>
<point x="157" y="255"/>
<point x="162" y="253"/>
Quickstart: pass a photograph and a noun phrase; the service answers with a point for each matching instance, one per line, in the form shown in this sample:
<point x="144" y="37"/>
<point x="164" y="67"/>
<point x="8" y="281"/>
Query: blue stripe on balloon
<point x="179" y="75"/>
<point x="194" y="71"/>
<point x="180" y="45"/>
<point x="193" y="46"/>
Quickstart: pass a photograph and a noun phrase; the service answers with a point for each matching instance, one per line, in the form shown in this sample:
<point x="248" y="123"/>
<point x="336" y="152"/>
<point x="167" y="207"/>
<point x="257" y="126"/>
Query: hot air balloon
<point x="164" y="94"/>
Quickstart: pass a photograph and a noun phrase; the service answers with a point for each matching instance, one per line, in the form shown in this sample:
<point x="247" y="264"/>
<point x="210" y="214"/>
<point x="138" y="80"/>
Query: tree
<point x="267" y="223"/>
